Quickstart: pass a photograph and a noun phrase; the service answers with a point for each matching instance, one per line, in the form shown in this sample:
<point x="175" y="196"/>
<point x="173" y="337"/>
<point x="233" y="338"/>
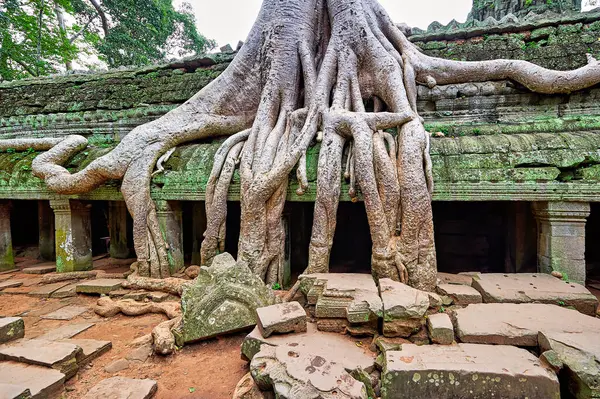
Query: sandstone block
<point x="222" y="299"/>
<point x="534" y="287"/>
<point x="440" y="329"/>
<point x="281" y="318"/>
<point x="42" y="382"/>
<point x="66" y="313"/>
<point x="466" y="371"/>
<point x="11" y="328"/>
<point x="99" y="286"/>
<point x="61" y="356"/>
<point x="460" y="294"/>
<point x="123" y="388"/>
<point x="11" y="391"/>
<point x="41" y="269"/>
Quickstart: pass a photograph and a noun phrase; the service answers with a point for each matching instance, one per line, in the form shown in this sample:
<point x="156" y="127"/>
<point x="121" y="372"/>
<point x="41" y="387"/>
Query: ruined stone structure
<point x="511" y="167"/>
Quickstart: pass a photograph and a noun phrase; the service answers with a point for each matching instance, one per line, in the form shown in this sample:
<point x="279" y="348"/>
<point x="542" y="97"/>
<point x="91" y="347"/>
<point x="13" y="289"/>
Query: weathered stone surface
<point x="466" y="371"/>
<point x="123" y="388"/>
<point x="65" y="292"/>
<point x="294" y="372"/>
<point x="246" y="388"/>
<point x="539" y="288"/>
<point x="440" y="329"/>
<point x="403" y="308"/>
<point x="140" y="354"/>
<point x="518" y="324"/>
<point x="402" y="328"/>
<point x="579" y="356"/>
<point x="336" y="347"/>
<point x="116" y="366"/>
<point x="99" y="286"/>
<point x="435" y="300"/>
<point x="47" y="290"/>
<point x="222" y="299"/>
<point x="11" y="328"/>
<point x="460" y="294"/>
<point x="281" y="318"/>
<point x="64" y="332"/>
<point x="449" y="278"/>
<point x="61" y="356"/>
<point x="66" y="313"/>
<point x="344" y="296"/>
<point x="91" y="348"/>
<point x="10" y="391"/>
<point x="42" y="382"/>
<point x="10" y="284"/>
<point x="41" y="269"/>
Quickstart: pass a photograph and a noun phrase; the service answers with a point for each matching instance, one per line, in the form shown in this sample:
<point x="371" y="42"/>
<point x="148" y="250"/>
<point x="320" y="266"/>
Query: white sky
<point x="228" y="21"/>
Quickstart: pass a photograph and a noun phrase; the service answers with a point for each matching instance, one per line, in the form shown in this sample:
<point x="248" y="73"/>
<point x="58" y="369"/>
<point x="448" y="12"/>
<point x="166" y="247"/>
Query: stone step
<point x="47" y="290"/>
<point x="41" y="269"/>
<point x="10" y="284"/>
<point x="61" y="356"/>
<point x="466" y="371"/>
<point x="65" y="292"/>
<point x="11" y="391"/>
<point x="66" y="313"/>
<point x="123" y="388"/>
<point x="91" y="348"/>
<point x="43" y="382"/>
<point x="102" y="286"/>
<point x="460" y="294"/>
<point x="11" y="328"/>
<point x="64" y="332"/>
<point x="534" y="287"/>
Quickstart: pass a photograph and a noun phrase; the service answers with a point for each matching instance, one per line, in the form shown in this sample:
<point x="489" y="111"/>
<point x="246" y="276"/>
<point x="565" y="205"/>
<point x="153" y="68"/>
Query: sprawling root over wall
<point x="306" y="71"/>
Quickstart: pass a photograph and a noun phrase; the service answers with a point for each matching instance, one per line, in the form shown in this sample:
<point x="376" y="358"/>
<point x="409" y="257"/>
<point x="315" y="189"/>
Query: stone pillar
<point x="7" y="260"/>
<point x="46" y="231"/>
<point x="561" y="238"/>
<point x="170" y="221"/>
<point x="117" y="230"/>
<point x="73" y="235"/>
<point x="198" y="229"/>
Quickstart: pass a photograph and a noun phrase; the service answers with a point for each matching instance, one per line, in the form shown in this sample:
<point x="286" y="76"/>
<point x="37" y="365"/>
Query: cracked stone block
<point x="11" y="328"/>
<point x="11" y="391"/>
<point x="91" y="348"/>
<point x="518" y="324"/>
<point x="100" y="286"/>
<point x="281" y="318"/>
<point x="61" y="356"/>
<point x="466" y="371"/>
<point x="222" y="299"/>
<point x="460" y="294"/>
<point x="347" y="296"/>
<point x="47" y="290"/>
<point x="65" y="292"/>
<point x="41" y="381"/>
<point x="534" y="287"/>
<point x="403" y="308"/>
<point x="441" y="330"/>
<point x="123" y="388"/>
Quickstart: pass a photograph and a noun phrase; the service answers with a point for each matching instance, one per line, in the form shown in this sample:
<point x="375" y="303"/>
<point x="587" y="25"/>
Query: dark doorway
<point x="351" y="252"/>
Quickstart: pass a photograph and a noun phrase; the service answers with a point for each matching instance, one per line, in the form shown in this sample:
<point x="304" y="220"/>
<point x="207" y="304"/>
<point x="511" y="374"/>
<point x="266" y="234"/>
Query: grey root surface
<point x="305" y="73"/>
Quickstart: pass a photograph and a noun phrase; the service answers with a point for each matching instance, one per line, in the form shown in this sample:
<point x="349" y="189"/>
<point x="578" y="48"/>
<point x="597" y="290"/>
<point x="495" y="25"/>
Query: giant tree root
<point x="162" y="337"/>
<point x="57" y="278"/>
<point x="170" y="285"/>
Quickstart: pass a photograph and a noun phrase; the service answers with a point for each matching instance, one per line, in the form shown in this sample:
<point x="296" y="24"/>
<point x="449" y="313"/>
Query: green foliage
<point x="528" y="3"/>
<point x="276" y="286"/>
<point x="41" y="37"/>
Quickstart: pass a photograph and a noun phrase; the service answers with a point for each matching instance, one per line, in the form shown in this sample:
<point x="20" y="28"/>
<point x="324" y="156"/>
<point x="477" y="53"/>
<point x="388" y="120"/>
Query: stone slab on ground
<point x="10" y="391"/>
<point x="41" y="269"/>
<point x="122" y="388"/>
<point x="61" y="356"/>
<point x="65" y="292"/>
<point x="466" y="371"/>
<point x="460" y="294"/>
<point x="336" y="347"/>
<point x="441" y="330"/>
<point x="518" y="324"/>
<point x="10" y="284"/>
<point x="579" y="354"/>
<point x="66" y="313"/>
<point x="403" y="308"/>
<point x="91" y="348"/>
<point x="534" y="287"/>
<point x="99" y="286"/>
<point x="450" y="278"/>
<point x="222" y="299"/>
<point x="281" y="318"/>
<point x="47" y="290"/>
<point x="47" y="308"/>
<point x="43" y="382"/>
<point x="64" y="332"/>
<point x="11" y="328"/>
<point x="116" y="366"/>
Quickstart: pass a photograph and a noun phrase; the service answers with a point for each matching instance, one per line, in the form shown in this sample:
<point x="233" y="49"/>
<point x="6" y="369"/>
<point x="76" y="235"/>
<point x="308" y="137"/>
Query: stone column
<point x="73" y="235"/>
<point x="170" y="221"/>
<point x="46" y="231"/>
<point x="7" y="260"/>
<point x="198" y="228"/>
<point x="117" y="230"/>
<point x="561" y="238"/>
